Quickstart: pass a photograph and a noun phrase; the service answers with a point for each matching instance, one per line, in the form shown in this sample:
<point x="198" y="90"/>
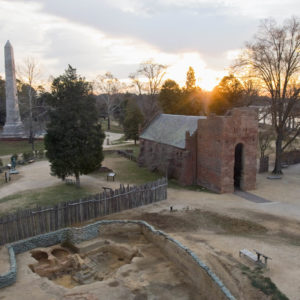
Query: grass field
<point x="126" y="170"/>
<point x="135" y="148"/>
<point x="114" y="127"/>
<point x="11" y="147"/>
<point x="45" y="196"/>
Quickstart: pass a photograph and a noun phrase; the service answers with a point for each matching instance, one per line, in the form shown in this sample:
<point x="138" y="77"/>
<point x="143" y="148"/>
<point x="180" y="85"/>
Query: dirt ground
<point x="149" y="275"/>
<point x="217" y="237"/>
<point x="216" y="227"/>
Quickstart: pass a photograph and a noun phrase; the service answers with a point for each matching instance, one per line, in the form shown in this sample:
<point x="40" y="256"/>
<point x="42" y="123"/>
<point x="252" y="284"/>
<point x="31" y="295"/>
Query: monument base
<point x="13" y="130"/>
<point x="13" y="172"/>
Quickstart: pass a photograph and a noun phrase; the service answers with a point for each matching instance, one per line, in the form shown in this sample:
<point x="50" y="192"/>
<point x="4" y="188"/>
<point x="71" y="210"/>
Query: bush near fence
<point x="27" y="223"/>
<point x="127" y="153"/>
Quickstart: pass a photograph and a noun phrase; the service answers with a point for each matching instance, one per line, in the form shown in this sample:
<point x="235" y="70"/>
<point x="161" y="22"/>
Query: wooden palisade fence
<point x="27" y="223"/>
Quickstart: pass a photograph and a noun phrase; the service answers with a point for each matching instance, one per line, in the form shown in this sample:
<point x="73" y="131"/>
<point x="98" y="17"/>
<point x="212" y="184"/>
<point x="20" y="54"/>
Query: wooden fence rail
<point x="27" y="223"/>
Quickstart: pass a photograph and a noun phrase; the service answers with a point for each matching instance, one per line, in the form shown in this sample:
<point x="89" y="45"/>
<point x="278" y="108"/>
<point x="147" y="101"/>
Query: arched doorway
<point x="238" y="165"/>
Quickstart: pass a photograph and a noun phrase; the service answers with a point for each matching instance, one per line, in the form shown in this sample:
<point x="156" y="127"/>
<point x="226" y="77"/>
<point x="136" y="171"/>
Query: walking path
<point x="37" y="175"/>
<point x="111" y="135"/>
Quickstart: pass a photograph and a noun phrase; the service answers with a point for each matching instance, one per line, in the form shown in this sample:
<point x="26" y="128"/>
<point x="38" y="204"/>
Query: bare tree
<point x="149" y="79"/>
<point x="265" y="137"/>
<point x="154" y="74"/>
<point x="137" y="83"/>
<point x="109" y="86"/>
<point x="273" y="57"/>
<point x="30" y="73"/>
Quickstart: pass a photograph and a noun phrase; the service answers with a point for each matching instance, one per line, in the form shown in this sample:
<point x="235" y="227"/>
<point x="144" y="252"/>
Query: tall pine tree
<point x="133" y="119"/>
<point x="74" y="137"/>
<point x="190" y="79"/>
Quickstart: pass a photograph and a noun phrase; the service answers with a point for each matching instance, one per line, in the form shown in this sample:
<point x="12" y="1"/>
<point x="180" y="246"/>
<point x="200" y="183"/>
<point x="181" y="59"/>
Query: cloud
<point x="116" y="35"/>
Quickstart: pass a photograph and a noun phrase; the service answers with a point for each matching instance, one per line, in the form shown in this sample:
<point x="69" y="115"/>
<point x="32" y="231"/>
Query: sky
<point x="96" y="36"/>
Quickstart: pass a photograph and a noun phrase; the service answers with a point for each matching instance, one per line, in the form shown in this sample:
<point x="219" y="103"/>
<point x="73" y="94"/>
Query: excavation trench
<point x="96" y="262"/>
<point x="129" y="256"/>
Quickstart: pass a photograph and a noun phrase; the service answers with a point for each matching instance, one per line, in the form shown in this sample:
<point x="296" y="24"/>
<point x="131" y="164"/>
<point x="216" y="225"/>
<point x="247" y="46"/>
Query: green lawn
<point x="127" y="171"/>
<point x="47" y="196"/>
<point x="135" y="148"/>
<point x="11" y="147"/>
<point x="114" y="127"/>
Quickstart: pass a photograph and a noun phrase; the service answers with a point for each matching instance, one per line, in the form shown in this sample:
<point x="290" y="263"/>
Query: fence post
<point x="36" y="221"/>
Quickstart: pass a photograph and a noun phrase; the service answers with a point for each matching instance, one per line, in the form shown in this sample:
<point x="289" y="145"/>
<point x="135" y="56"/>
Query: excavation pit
<point x="98" y="260"/>
<point x="117" y="260"/>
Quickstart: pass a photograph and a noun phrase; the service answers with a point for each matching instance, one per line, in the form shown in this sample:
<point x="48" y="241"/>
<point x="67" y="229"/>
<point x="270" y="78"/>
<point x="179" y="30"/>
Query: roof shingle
<point x="171" y="129"/>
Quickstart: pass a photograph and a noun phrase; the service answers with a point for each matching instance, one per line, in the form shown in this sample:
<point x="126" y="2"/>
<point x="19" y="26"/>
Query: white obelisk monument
<point x="13" y="125"/>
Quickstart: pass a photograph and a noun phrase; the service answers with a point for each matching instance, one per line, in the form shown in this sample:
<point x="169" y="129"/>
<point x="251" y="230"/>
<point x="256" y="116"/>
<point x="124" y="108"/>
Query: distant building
<point x="216" y="152"/>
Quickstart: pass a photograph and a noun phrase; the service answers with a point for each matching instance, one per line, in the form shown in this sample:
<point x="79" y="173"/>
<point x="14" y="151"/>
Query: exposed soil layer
<point x="125" y="266"/>
<point x="191" y="220"/>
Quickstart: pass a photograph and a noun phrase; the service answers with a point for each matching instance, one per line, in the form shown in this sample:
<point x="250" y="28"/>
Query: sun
<point x="206" y="78"/>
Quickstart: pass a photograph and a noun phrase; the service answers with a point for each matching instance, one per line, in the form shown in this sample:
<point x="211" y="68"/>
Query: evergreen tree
<point x="190" y="79"/>
<point x="170" y="97"/>
<point x="192" y="101"/>
<point x="74" y="137"/>
<point x="133" y="119"/>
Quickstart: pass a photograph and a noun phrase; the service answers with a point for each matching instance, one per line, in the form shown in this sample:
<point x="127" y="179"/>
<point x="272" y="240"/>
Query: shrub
<point x="28" y="155"/>
<point x="40" y="154"/>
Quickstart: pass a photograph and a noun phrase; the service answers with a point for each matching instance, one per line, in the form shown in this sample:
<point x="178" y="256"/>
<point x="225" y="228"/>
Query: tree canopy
<point x="133" y="119"/>
<point x="110" y="87"/>
<point x="74" y="137"/>
<point x="188" y="100"/>
<point x="273" y="59"/>
<point x="227" y="94"/>
<point x="170" y="97"/>
<point x="190" y="79"/>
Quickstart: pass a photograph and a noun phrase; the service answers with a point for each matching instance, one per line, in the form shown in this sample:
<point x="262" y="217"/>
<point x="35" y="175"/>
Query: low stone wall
<point x="207" y="282"/>
<point x="210" y="286"/>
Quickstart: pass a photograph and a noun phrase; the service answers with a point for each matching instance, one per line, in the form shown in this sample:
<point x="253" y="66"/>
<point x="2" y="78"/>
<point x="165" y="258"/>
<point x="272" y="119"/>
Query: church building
<point x="216" y="152"/>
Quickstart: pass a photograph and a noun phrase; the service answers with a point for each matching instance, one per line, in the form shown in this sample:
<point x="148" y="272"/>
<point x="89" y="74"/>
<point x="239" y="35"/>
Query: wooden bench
<point x="250" y="255"/>
<point x="111" y="175"/>
<point x="255" y="257"/>
<point x="259" y="254"/>
<point x="69" y="181"/>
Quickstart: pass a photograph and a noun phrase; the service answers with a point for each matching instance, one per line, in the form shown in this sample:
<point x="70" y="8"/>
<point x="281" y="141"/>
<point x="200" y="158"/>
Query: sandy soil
<point x="217" y="238"/>
<point x="149" y="276"/>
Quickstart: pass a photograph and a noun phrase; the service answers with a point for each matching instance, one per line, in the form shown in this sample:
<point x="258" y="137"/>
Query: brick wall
<point x="209" y="156"/>
<point x="217" y="138"/>
<point x="180" y="162"/>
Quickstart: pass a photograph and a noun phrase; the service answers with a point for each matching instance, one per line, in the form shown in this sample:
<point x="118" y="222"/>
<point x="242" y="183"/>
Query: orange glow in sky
<point x="206" y="78"/>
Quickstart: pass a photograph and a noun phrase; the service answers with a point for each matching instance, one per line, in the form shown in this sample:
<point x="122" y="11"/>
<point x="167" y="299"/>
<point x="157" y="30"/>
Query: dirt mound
<point x="191" y="220"/>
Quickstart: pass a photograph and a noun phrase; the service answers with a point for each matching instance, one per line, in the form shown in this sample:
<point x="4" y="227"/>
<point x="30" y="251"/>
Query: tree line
<point x="266" y="75"/>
